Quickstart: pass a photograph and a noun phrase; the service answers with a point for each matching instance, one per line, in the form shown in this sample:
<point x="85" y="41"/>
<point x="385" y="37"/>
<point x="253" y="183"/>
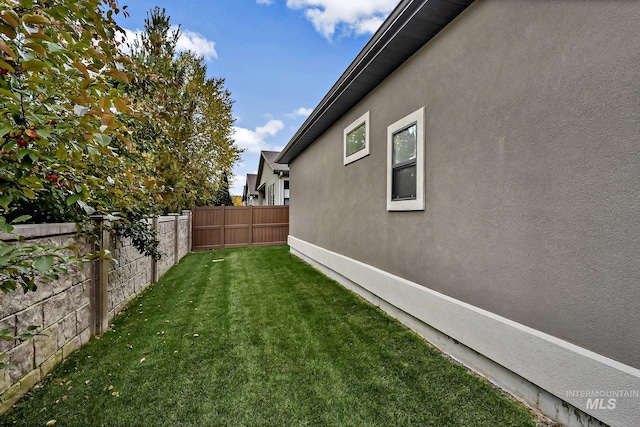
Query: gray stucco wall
<point x="532" y="171"/>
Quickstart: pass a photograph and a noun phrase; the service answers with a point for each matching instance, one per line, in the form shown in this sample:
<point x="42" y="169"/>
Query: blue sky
<point x="278" y="57"/>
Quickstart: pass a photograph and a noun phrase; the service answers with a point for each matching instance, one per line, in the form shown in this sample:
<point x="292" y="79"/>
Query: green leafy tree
<point x="223" y="197"/>
<point x="64" y="137"/>
<point x="85" y="128"/>
<point x="59" y="113"/>
<point x="187" y="134"/>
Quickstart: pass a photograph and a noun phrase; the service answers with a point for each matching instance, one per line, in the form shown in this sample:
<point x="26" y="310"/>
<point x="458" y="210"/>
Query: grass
<point x="260" y="339"/>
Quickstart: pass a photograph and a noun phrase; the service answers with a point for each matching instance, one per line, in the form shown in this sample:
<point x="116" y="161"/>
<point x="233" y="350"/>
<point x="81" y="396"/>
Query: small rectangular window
<point x="405" y="163"/>
<point x="356" y="139"/>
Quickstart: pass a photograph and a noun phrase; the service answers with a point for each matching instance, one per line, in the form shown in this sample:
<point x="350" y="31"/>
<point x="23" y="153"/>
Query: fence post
<point x="190" y="231"/>
<point x="250" y="225"/>
<point x="176" y="237"/>
<point x="187" y="213"/>
<point x="100" y="285"/>
<point x="154" y="263"/>
<point x="224" y="221"/>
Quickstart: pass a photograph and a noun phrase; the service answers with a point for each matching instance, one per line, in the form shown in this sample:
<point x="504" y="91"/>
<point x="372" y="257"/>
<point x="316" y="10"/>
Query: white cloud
<point x="353" y="16"/>
<point x="188" y="40"/>
<point x="254" y="140"/>
<point x="369" y="26"/>
<point x="236" y="185"/>
<point x="197" y="43"/>
<point x="128" y="37"/>
<point x="237" y="181"/>
<point x="264" y="1"/>
<point x="300" y="112"/>
<point x="271" y="128"/>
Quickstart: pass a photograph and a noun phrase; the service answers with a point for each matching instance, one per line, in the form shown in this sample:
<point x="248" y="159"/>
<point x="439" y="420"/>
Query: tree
<point x="85" y="128"/>
<point x="223" y="197"/>
<point x="59" y="113"/>
<point x="187" y="134"/>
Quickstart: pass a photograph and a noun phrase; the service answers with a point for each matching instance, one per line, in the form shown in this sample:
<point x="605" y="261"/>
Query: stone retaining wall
<point x="166" y="227"/>
<point x="80" y="305"/>
<point x="184" y="225"/>
<point x="127" y="277"/>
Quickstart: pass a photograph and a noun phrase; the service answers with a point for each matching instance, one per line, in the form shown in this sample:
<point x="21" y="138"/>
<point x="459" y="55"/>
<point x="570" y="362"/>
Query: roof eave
<point x="375" y="62"/>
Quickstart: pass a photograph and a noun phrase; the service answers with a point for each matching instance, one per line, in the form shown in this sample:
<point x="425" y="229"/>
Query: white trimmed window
<point x="286" y="192"/>
<point x="405" y="163"/>
<point x="356" y="139"/>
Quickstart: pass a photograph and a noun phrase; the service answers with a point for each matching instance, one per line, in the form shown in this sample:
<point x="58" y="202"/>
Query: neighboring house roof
<point x="409" y="27"/>
<point x="250" y="186"/>
<point x="270" y="158"/>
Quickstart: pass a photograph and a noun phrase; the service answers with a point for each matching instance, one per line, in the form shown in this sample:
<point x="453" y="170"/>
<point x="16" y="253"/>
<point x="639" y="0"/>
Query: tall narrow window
<point x="286" y="192"/>
<point x="405" y="163"/>
<point x="272" y="194"/>
<point x="356" y="139"/>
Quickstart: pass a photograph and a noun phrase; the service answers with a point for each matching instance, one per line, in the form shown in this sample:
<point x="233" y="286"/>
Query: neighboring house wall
<point x="249" y="193"/>
<point x="281" y="190"/>
<point x="251" y="201"/>
<point x="267" y="178"/>
<point x="531" y="194"/>
<point x="275" y="182"/>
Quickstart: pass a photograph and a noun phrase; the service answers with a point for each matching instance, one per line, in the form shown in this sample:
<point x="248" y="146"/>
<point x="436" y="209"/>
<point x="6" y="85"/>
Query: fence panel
<point x="239" y="226"/>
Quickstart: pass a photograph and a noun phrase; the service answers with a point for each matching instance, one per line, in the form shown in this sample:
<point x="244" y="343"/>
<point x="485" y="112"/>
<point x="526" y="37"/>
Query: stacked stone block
<point x="166" y="234"/>
<point x="184" y="245"/>
<point x="129" y="274"/>
<point x="65" y="311"/>
<point x="61" y="311"/>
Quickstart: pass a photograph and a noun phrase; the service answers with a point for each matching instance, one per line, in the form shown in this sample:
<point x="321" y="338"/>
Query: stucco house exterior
<point x="249" y="192"/>
<point x="272" y="180"/>
<point x="475" y="172"/>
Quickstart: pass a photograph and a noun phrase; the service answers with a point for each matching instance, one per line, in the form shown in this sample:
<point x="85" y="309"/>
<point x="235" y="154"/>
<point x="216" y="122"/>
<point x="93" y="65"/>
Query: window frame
<point x="417" y="204"/>
<point x="364" y="119"/>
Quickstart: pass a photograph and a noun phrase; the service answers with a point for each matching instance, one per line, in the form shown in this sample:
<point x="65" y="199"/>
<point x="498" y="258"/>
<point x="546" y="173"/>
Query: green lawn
<point x="260" y="339"/>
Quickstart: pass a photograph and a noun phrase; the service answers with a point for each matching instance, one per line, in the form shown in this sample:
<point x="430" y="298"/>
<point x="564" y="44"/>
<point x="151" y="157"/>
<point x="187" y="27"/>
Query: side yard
<point x="255" y="336"/>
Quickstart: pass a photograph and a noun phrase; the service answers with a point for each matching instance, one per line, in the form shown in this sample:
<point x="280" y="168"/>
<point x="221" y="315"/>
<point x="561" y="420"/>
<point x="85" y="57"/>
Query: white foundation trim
<point x="570" y="373"/>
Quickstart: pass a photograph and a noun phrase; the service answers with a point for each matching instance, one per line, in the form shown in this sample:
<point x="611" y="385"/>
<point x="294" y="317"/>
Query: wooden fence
<point x="239" y="226"/>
